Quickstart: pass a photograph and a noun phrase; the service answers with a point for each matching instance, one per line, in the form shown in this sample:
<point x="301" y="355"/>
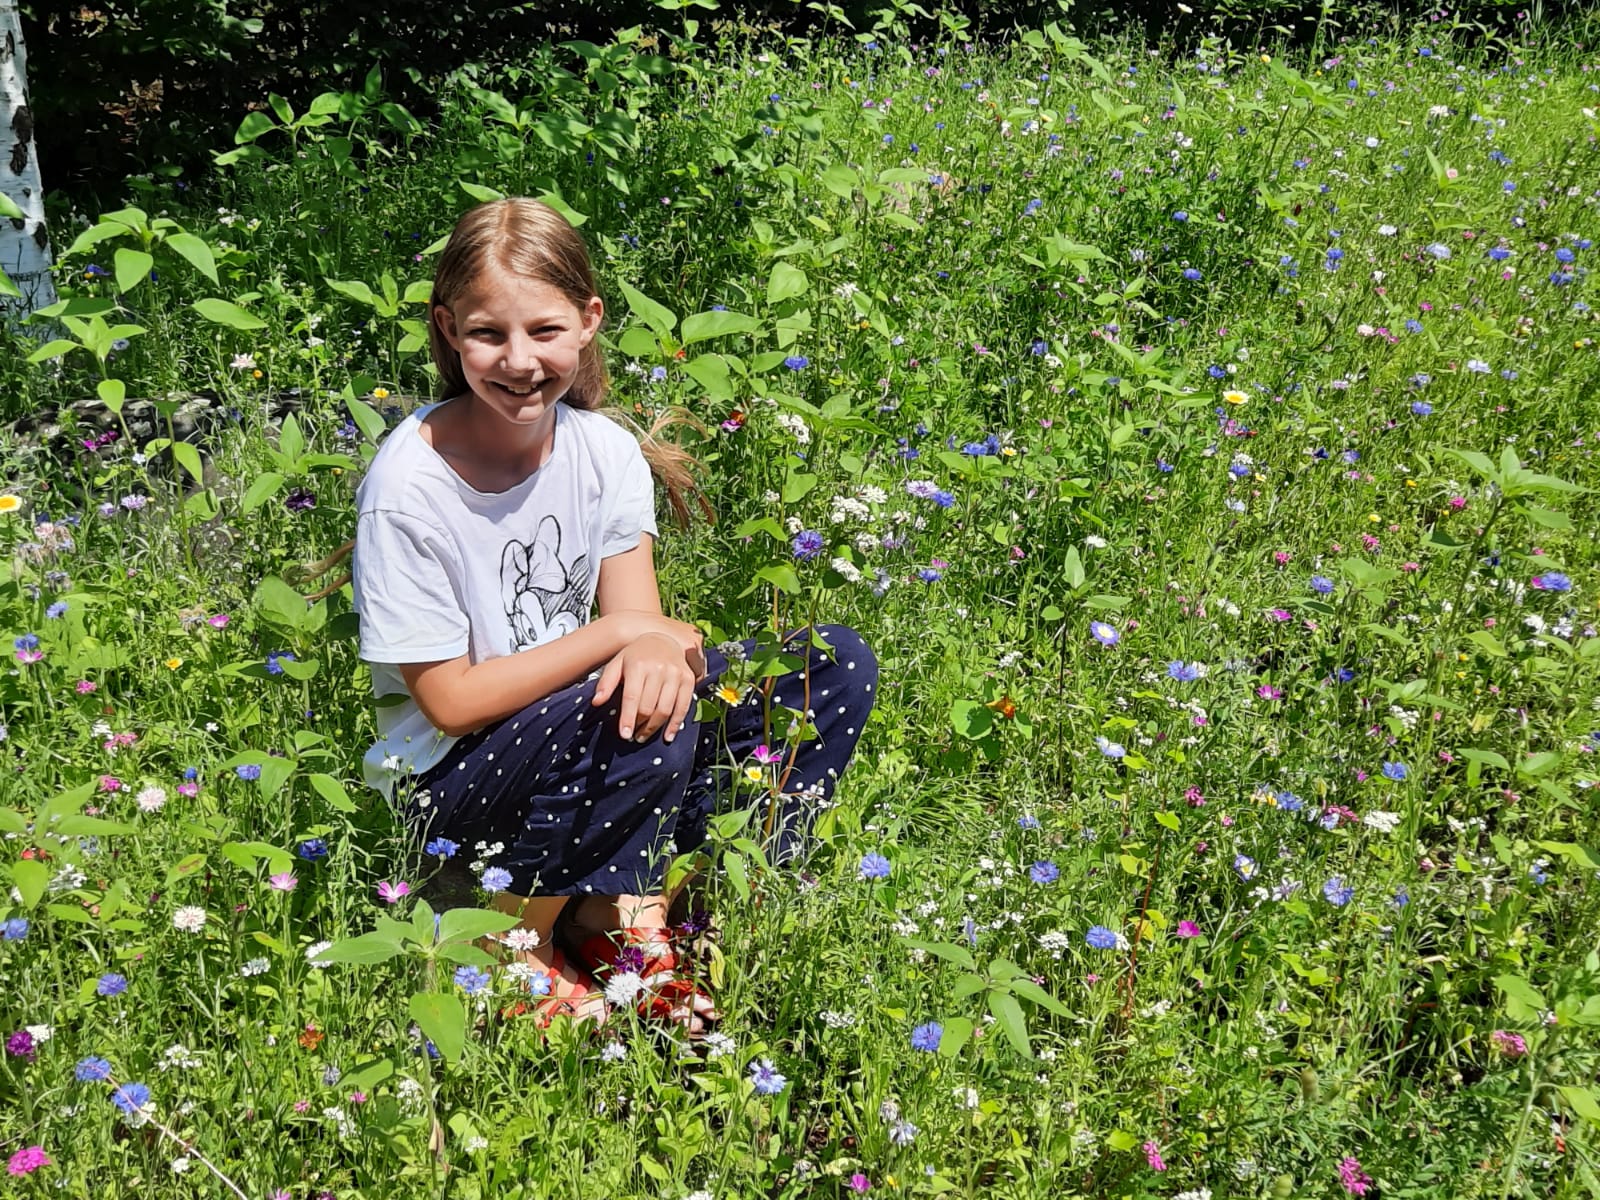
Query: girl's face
<point x="519" y="341"/>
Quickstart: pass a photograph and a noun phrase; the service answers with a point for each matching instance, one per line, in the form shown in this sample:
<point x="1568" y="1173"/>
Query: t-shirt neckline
<point x="556" y="442"/>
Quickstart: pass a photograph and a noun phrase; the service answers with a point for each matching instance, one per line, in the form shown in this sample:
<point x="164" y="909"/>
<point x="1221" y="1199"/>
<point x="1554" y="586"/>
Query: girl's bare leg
<point x="538" y="915"/>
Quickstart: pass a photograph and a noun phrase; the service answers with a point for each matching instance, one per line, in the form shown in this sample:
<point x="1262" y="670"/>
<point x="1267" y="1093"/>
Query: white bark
<point x="24" y="245"/>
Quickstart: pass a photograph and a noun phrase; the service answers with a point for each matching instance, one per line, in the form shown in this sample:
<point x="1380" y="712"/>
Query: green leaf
<point x="1481" y="463"/>
<point x="1581" y="1101"/>
<point x="52" y="349"/>
<point x="223" y="312"/>
<point x="971" y="719"/>
<point x="262" y="488"/>
<point x="280" y="604"/>
<point x="957" y="1032"/>
<point x="331" y="790"/>
<point x="355" y="289"/>
<point x="31" y="878"/>
<point x="367" y="419"/>
<point x="703" y="325"/>
<point x="132" y="267"/>
<point x="7" y="288"/>
<point x="959" y="955"/>
<point x="196" y="252"/>
<point x="365" y="950"/>
<point x="1582" y="856"/>
<point x="9" y="209"/>
<point x="78" y="825"/>
<point x="188" y="458"/>
<point x="112" y="393"/>
<point x="1008" y="1013"/>
<point x="291" y="442"/>
<point x="468" y="924"/>
<point x="573" y="216"/>
<point x="737" y="875"/>
<point x="253" y="126"/>
<point x="1547" y="517"/>
<point x="657" y="316"/>
<point x="1121" y="1139"/>
<point x="1520" y="991"/>
<point x="786" y="282"/>
<point x="798" y="486"/>
<point x="782" y="576"/>
<point x="1168" y="820"/>
<point x="1029" y="990"/>
<point x="1074" y="569"/>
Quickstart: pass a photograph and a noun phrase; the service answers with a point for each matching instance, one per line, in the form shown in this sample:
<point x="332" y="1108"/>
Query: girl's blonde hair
<point x="528" y="239"/>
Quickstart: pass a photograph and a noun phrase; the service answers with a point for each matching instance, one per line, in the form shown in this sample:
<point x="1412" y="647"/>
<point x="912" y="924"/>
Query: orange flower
<point x="1005" y="706"/>
<point x="311" y="1037"/>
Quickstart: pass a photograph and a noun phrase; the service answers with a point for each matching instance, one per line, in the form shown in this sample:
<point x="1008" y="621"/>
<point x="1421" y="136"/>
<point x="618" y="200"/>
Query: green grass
<point x="899" y="250"/>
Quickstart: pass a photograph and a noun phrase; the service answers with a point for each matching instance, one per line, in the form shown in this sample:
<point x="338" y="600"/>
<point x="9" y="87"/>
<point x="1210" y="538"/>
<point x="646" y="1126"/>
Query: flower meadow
<point x="1202" y="437"/>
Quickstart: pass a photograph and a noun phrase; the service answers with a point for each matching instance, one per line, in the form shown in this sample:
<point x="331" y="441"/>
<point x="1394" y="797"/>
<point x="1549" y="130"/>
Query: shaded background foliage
<point x="120" y="86"/>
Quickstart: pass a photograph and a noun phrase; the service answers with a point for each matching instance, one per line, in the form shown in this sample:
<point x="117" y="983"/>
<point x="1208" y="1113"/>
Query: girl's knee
<point x="853" y="655"/>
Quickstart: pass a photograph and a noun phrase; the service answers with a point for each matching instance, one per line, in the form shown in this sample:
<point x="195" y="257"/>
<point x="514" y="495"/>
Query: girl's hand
<point x="635" y="625"/>
<point x="657" y="686"/>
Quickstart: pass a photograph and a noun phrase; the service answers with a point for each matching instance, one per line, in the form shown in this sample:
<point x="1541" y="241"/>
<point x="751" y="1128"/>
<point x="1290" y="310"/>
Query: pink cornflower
<point x="29" y="656"/>
<point x="1152" y="1155"/>
<point x="301" y="1106"/>
<point x="1370" y="542"/>
<point x="1267" y="692"/>
<point x="27" y="1160"/>
<point x="1510" y="1044"/>
<point x="1281" y="557"/>
<point x="391" y="892"/>
<point x="1410" y="566"/>
<point x="1355" y="1180"/>
<point x="189" y="789"/>
<point x="1280" y="614"/>
<point x="85" y="686"/>
<point x="1188" y="929"/>
<point x="358" y="1097"/>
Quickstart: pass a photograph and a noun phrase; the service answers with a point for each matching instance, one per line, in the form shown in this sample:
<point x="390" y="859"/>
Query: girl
<point x="565" y="749"/>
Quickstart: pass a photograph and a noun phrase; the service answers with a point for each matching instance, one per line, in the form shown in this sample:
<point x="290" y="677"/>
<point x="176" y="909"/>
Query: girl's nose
<point x="519" y="355"/>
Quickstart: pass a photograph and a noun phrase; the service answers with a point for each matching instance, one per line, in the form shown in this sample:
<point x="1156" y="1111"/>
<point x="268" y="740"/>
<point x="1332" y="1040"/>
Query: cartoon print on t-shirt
<point x="544" y="597"/>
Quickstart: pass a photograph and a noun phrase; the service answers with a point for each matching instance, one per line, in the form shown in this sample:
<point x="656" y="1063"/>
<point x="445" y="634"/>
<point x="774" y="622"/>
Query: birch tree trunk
<point x="24" y="243"/>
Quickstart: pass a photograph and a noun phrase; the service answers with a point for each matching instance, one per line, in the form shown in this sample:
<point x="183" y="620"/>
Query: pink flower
<point x="1188" y="929"/>
<point x="1227" y="821"/>
<point x="764" y="756"/>
<point x="1280" y="614"/>
<point x="1281" y="557"/>
<point x="1195" y="797"/>
<point x="1355" y="1180"/>
<point x="859" y="1183"/>
<point x="218" y="620"/>
<point x="1458" y="502"/>
<point x="358" y="1097"/>
<point x="29" y="656"/>
<point x="301" y="1106"/>
<point x="1152" y="1155"/>
<point x="85" y="686"/>
<point x="1370" y="542"/>
<point x="1410" y="566"/>
<point x="110" y="783"/>
<point x="391" y="892"/>
<point x="1510" y="1044"/>
<point x="1267" y="692"/>
<point x="27" y="1160"/>
<point x="284" y="881"/>
<point x="189" y="789"/>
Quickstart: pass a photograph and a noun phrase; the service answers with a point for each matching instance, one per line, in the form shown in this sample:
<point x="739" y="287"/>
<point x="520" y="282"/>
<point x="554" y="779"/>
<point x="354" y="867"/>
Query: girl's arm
<point x="458" y="696"/>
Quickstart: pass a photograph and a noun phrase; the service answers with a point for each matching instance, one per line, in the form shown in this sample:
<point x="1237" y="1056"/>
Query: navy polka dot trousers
<point x="576" y="809"/>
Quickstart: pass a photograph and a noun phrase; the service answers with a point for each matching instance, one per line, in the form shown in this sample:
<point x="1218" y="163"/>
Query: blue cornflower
<point x="797" y="362"/>
<point x="496" y="879"/>
<point x="658" y="374"/>
<point x="873" y="866"/>
<point x="1039" y="348"/>
<point x="539" y="985"/>
<point x="1184" y="672"/>
<point x="1438" y="250"/>
<point x="1413" y="325"/>
<point x="1216" y="372"/>
<point x="1421" y="408"/>
<point x="1180" y="216"/>
<point x="1537" y="872"/>
<point x="191" y="773"/>
<point x="1552" y="581"/>
<point x="1027" y="821"/>
<point x="1344" y="674"/>
<point x="471" y="980"/>
<point x="130" y="1097"/>
<point x="57" y="610"/>
<point x="1401" y="898"/>
<point x="442" y="847"/>
<point x="1101" y="938"/>
<point x="313" y="849"/>
<point x="275" y="660"/>
<point x="1032" y="207"/>
<point x="1192" y="274"/>
<point x="926" y="1037"/>
<point x="1396" y="771"/>
<point x="1337" y="892"/>
<point x="1498" y="254"/>
<point x="1288" y="801"/>
<point x="767" y="1080"/>
<point x="92" y="1070"/>
<point x="1321" y="584"/>
<point x="111" y="984"/>
<point x="943" y="498"/>
<point x="1564" y="255"/>
<point x="14" y="930"/>
<point x="1106" y="635"/>
<point x="28" y="641"/>
<point x="1351" y="456"/>
<point x="1044" y="871"/>
<point x="1109" y="748"/>
<point x="1244" y="866"/>
<point x="807" y="544"/>
<point x="928" y="575"/>
<point x="248" y="771"/>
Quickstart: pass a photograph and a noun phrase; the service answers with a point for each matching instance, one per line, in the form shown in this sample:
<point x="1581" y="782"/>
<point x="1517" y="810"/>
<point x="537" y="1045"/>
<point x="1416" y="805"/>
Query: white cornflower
<point x="190" y="919"/>
<point x="521" y="940"/>
<point x="256" y="966"/>
<point x="1095" y="541"/>
<point x="622" y="987"/>
<point x="151" y="799"/>
<point x="967" y="1097"/>
<point x="902" y="1133"/>
<point x="243" y="362"/>
<point x="181" y="1164"/>
<point x="795" y="426"/>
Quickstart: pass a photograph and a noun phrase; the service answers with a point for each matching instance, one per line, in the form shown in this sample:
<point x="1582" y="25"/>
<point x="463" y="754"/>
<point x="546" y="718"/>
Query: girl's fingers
<point x="681" y="709"/>
<point x="649" y="718"/>
<point x="608" y="681"/>
<point x="632" y="685"/>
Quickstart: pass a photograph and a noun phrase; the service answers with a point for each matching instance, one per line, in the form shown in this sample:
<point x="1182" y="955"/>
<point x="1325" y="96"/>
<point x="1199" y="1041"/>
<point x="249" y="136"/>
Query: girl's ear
<point x="594" y="312"/>
<point x="446" y="321"/>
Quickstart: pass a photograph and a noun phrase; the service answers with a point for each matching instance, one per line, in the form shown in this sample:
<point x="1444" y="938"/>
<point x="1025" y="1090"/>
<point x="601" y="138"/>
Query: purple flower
<point x="1321" y="584"/>
<point x="873" y="866"/>
<point x="1044" y="871"/>
<point x="20" y="1045"/>
<point x="767" y="1080"/>
<point x="1101" y="938"/>
<point x="1106" y="635"/>
<point x="495" y="879"/>
<point x="1552" y="581"/>
<point x="797" y="362"/>
<point x="300" y="500"/>
<point x="111" y="984"/>
<point x="807" y="544"/>
<point x="471" y="980"/>
<point x="926" y="1037"/>
<point x="249" y="772"/>
<point x="1337" y="891"/>
<point x="1184" y="672"/>
<point x="1396" y="771"/>
<point x="131" y="1098"/>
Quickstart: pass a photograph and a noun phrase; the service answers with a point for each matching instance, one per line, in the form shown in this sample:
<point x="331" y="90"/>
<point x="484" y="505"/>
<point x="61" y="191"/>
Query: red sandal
<point x="551" y="1005"/>
<point x="650" y="953"/>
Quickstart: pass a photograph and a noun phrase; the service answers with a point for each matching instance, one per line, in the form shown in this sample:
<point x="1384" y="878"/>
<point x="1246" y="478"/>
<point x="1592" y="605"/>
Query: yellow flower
<point x="1233" y="397"/>
<point x="1266" y="58"/>
<point x="1374" y="518"/>
<point x="380" y="393"/>
<point x="256" y="374"/>
<point x="1411" y="483"/>
<point x="1008" y="451"/>
<point x="10" y="503"/>
<point x="174" y="663"/>
<point x="754" y="774"/>
<point x="728" y="694"/>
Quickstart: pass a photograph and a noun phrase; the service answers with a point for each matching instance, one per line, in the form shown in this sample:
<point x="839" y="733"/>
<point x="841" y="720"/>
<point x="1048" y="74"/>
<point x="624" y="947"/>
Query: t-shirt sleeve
<point x="632" y="511"/>
<point x="409" y="606"/>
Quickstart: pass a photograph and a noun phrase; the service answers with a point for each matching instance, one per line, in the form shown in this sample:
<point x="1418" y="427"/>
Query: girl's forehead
<point x="498" y="290"/>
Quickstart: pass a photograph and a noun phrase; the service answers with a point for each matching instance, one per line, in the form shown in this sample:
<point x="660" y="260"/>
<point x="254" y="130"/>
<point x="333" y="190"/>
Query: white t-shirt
<point x="442" y="569"/>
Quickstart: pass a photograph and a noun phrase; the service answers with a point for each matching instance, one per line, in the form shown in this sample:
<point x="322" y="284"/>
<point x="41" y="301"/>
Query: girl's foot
<point x="648" y="951"/>
<point x="556" y="986"/>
